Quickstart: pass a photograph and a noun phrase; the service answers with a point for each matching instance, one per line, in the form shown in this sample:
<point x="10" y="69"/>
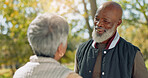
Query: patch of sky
<point x="16" y="2"/>
<point x="10" y="24"/>
<point x="16" y="26"/>
<point x="4" y="5"/>
<point x="5" y="31"/>
<point x="86" y="34"/>
<point x="91" y="22"/>
<point x="81" y="8"/>
<point x="1" y="18"/>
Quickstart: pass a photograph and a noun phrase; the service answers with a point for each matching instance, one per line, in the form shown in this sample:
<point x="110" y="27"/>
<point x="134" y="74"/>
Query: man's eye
<point x="105" y="21"/>
<point x="97" y="19"/>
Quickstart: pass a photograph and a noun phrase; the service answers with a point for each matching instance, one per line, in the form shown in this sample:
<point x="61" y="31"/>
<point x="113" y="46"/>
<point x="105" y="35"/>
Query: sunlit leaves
<point x="137" y="36"/>
<point x="14" y="44"/>
<point x="14" y="47"/>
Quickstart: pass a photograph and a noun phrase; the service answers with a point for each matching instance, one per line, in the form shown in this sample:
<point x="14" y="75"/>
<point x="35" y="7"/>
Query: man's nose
<point x="99" y="24"/>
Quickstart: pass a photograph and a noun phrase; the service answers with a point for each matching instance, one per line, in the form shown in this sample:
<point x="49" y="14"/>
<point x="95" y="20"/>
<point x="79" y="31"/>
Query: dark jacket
<point x="117" y="62"/>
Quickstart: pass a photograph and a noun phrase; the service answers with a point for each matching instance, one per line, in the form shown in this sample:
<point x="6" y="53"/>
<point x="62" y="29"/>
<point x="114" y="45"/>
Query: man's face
<point x="105" y="22"/>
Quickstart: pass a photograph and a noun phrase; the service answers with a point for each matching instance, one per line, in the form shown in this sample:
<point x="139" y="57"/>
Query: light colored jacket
<point x="42" y="67"/>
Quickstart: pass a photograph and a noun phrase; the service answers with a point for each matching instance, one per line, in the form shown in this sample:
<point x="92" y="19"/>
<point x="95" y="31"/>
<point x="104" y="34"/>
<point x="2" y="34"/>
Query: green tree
<point x="135" y="24"/>
<point x="14" y="49"/>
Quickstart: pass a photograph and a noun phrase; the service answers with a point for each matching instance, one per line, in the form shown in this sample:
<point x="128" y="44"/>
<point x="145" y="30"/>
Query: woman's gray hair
<point x="46" y="32"/>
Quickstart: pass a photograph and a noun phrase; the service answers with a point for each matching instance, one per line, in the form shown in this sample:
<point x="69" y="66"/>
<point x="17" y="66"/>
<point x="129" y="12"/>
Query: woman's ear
<point x="59" y="53"/>
<point x="60" y="48"/>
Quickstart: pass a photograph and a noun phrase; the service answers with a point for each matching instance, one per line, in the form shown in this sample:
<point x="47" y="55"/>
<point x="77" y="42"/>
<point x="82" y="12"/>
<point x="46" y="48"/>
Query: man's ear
<point x="119" y="22"/>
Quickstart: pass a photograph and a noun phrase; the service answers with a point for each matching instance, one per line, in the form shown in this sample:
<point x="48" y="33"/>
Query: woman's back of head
<point x="46" y="32"/>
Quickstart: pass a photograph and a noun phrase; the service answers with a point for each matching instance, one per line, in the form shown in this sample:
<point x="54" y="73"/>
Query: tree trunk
<point x="93" y="6"/>
<point x="12" y="67"/>
<point x="93" y="11"/>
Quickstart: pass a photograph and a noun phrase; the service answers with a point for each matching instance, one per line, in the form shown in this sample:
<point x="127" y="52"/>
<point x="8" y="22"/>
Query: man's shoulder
<point x="84" y="46"/>
<point x="128" y="44"/>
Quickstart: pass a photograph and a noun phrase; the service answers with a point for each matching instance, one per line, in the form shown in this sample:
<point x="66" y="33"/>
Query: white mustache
<point x="96" y="28"/>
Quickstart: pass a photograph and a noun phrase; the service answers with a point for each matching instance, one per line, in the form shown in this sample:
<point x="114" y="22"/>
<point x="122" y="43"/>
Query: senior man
<point x="107" y="55"/>
<point x="47" y="35"/>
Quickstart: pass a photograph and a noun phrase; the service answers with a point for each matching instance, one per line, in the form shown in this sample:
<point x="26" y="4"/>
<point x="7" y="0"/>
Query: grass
<point x="70" y="66"/>
<point x="5" y="73"/>
<point x="146" y="64"/>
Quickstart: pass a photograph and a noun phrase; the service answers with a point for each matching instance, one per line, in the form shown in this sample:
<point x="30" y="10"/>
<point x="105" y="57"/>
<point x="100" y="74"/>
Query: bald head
<point x="113" y="7"/>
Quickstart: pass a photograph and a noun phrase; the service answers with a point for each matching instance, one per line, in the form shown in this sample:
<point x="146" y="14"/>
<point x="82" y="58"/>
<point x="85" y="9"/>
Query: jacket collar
<point x="112" y="42"/>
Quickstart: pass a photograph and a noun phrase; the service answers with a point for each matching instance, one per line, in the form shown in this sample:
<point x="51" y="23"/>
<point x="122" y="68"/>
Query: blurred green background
<point x="16" y="15"/>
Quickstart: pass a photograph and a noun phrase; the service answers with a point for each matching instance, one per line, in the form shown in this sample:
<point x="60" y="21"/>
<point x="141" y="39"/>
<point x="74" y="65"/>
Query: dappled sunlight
<point x="16" y="16"/>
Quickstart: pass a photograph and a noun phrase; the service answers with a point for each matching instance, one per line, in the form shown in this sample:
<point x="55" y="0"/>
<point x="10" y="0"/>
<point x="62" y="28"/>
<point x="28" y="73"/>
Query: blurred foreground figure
<point x="107" y="55"/>
<point x="47" y="35"/>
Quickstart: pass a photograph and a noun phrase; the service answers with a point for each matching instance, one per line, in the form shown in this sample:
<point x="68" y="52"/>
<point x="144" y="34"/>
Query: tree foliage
<point x="16" y="15"/>
<point x="135" y="24"/>
<point x="14" y="49"/>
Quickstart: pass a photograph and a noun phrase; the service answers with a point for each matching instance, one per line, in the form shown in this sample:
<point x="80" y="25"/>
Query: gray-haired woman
<point x="47" y="35"/>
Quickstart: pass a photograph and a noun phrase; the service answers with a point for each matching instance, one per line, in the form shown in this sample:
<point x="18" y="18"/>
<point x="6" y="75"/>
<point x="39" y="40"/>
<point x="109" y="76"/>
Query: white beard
<point x="106" y="35"/>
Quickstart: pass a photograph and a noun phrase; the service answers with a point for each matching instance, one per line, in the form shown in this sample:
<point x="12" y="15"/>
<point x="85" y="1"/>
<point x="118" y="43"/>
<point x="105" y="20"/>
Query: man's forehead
<point x="104" y="9"/>
<point x="98" y="11"/>
<point x="101" y="7"/>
